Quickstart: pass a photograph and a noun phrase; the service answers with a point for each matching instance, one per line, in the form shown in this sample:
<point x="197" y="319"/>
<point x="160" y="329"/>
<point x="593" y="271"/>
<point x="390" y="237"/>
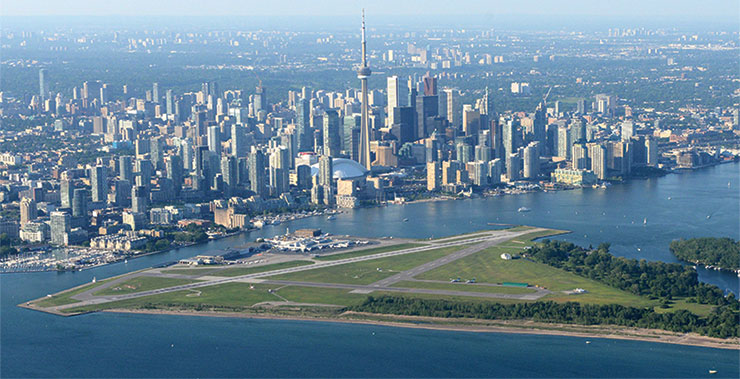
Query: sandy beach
<point x="481" y="326"/>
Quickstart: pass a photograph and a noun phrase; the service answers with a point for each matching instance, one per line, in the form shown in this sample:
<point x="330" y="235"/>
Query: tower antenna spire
<point x="364" y="41"/>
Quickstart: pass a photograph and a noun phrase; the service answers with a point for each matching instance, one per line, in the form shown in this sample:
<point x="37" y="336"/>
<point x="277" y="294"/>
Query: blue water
<point x="117" y="345"/>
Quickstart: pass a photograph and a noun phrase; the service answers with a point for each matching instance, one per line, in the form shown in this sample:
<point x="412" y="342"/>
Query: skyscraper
<point x="155" y="92"/>
<point x="303" y="124"/>
<point x="257" y="173"/>
<point x="66" y="189"/>
<point x="43" y="84"/>
<point x="28" y="210"/>
<point x="60" y="226"/>
<point x="332" y="136"/>
<point x="125" y="168"/>
<point x="99" y="184"/>
<point x="138" y="199"/>
<point x="214" y="139"/>
<point x="239" y="148"/>
<point x="363" y="73"/>
<point x="174" y="167"/>
<point x="79" y="203"/>
<point x="531" y="161"/>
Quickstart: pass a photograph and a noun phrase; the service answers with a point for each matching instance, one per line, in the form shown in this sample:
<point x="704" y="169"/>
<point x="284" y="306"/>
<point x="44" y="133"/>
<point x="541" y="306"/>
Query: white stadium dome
<point x="343" y="169"/>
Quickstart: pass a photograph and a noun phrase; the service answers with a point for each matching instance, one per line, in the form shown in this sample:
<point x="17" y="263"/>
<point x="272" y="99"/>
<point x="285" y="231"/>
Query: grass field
<point x="316" y="295"/>
<point x="238" y="271"/>
<point x="488" y="267"/>
<point x="362" y="253"/>
<point x="142" y="283"/>
<point x="370" y="271"/>
<point x="463" y="287"/>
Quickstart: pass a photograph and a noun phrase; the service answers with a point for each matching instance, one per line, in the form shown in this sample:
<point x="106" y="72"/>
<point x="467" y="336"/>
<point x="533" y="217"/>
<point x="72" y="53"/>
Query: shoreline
<point x="478" y="326"/>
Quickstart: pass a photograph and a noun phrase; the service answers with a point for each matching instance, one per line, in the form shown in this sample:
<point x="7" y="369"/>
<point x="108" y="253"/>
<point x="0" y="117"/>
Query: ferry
<point x="523" y="209"/>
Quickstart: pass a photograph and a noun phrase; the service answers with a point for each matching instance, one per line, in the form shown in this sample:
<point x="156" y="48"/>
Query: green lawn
<point x="463" y="287"/>
<point x="336" y="296"/>
<point x="64" y="298"/>
<point x="225" y="297"/>
<point x="362" y="253"/>
<point x="367" y="272"/>
<point x="142" y="283"/>
<point x="678" y="304"/>
<point x="488" y="267"/>
<point x="238" y="271"/>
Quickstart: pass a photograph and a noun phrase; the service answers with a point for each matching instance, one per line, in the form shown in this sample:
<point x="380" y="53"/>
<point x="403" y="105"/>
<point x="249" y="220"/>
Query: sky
<point x="697" y="10"/>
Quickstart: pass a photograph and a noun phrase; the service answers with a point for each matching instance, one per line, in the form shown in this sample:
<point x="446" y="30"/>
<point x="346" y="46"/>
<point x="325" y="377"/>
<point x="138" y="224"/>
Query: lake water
<point x="116" y="345"/>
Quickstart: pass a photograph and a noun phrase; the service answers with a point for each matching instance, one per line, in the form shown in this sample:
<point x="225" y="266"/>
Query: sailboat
<point x="94" y="280"/>
<point x="644" y="221"/>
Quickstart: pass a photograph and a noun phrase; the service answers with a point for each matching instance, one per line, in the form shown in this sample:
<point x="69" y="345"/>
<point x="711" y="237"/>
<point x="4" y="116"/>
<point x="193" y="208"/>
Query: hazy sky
<point x="704" y="10"/>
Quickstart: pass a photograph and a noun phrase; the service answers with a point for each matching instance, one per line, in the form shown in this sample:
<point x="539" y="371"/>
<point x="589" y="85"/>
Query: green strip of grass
<point x="239" y="271"/>
<point x="142" y="283"/>
<point x="361" y="253"/>
<point x="464" y="287"/>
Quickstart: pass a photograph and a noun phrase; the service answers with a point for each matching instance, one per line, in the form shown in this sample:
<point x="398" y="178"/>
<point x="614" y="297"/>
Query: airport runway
<point x="482" y="242"/>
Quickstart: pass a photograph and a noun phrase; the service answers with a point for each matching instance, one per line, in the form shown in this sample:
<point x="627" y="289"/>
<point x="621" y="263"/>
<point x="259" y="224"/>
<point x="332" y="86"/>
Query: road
<point x="481" y="242"/>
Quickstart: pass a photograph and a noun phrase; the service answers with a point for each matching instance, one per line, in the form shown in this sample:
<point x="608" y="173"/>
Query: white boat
<point x="94" y="280"/>
<point x="523" y="209"/>
<point x="405" y="220"/>
<point x="712" y="372"/>
<point x="332" y="217"/>
<point x="644" y="221"/>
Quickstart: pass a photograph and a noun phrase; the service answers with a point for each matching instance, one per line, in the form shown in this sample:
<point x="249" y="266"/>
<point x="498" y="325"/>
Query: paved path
<point x="486" y="240"/>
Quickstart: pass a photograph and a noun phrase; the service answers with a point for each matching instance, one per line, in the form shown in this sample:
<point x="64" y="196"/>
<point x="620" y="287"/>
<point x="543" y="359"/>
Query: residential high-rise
<point x="434" y="176"/>
<point x="229" y="172"/>
<point x="332" y="136"/>
<point x="28" y="210"/>
<point x="303" y="124"/>
<point x="99" y="184"/>
<point x="169" y="102"/>
<point x="513" y="164"/>
<point x="651" y="147"/>
<point x="579" y="157"/>
<point x="174" y="167"/>
<point x="598" y="155"/>
<point x="454" y="111"/>
<point x="627" y="130"/>
<point x="60" y="226"/>
<point x="326" y="179"/>
<point x="43" y="84"/>
<point x="214" y="139"/>
<point x="363" y="73"/>
<point x="155" y="93"/>
<point x="403" y="127"/>
<point x="531" y="161"/>
<point x="138" y="199"/>
<point x="257" y="173"/>
<point x="126" y="168"/>
<point x="79" y="203"/>
<point x="239" y="146"/>
<point x="66" y="189"/>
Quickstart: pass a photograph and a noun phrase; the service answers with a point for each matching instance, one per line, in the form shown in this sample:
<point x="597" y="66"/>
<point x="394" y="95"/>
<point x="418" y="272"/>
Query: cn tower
<point x="363" y="73"/>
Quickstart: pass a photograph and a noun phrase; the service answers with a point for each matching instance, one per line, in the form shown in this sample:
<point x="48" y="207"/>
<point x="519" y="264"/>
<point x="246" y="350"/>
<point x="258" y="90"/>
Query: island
<point x="714" y="253"/>
<point x="505" y="280"/>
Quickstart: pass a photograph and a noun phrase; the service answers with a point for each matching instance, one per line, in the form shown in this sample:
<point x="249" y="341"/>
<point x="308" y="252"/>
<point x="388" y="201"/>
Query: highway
<point x="482" y="242"/>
